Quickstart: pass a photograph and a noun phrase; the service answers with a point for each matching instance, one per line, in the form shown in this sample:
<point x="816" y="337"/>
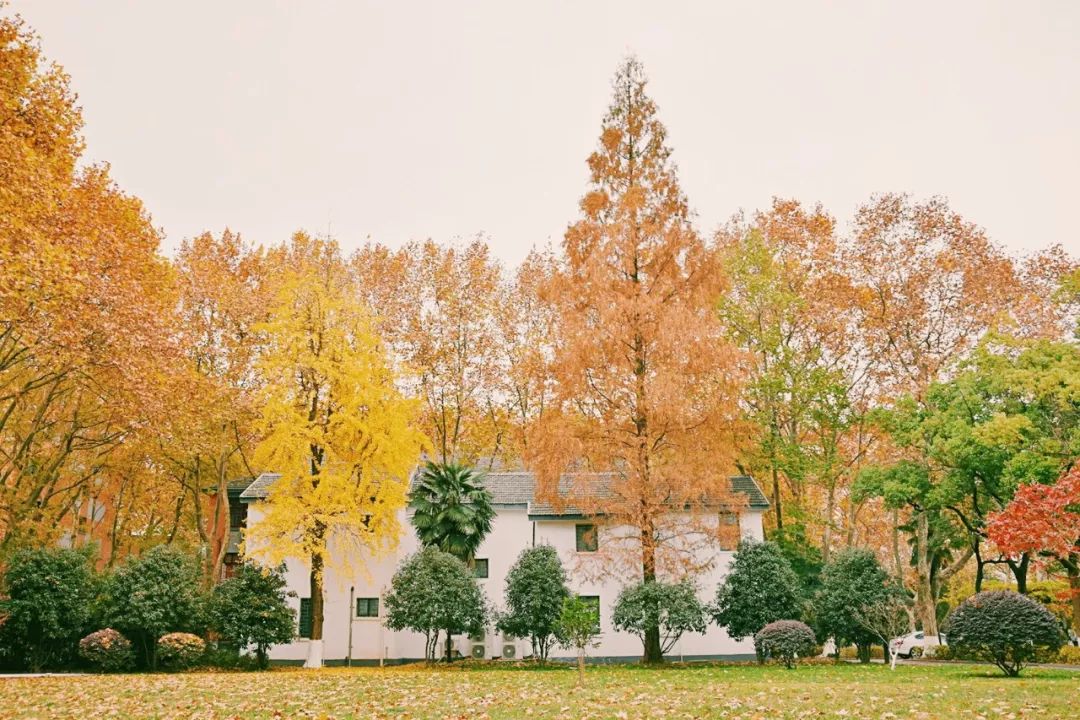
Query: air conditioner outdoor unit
<point x="478" y="652"/>
<point x="509" y="651"/>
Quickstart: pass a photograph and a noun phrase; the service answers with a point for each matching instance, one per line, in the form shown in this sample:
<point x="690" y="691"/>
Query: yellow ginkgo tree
<point x="334" y="425"/>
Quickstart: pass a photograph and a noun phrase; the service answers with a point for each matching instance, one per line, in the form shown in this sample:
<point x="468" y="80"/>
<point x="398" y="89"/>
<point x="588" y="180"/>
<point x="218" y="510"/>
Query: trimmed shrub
<point x="180" y="650"/>
<point x="1005" y="627"/>
<point x="785" y="640"/>
<point x="48" y="594"/>
<point x="674" y="608"/>
<point x="107" y="650"/>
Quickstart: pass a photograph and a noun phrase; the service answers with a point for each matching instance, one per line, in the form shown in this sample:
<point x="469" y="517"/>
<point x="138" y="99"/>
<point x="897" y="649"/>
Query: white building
<point x="356" y="628"/>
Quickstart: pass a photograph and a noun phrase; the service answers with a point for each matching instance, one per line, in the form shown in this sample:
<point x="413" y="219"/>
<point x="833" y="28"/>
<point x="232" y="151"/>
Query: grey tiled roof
<point x="259" y="487"/>
<point x="739" y="484"/>
<point x="747" y="485"/>
<point x="510" y="488"/>
<point x="519" y="488"/>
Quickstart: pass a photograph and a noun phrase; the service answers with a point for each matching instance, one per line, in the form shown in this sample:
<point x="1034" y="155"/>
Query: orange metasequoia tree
<point x="644" y="389"/>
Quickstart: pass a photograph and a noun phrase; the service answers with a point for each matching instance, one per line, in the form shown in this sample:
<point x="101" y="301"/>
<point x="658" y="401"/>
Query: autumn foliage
<point x="1045" y="520"/>
<point x="892" y="381"/>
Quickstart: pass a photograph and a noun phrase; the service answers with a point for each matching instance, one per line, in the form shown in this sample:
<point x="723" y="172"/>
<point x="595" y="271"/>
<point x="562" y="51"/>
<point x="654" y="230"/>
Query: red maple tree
<point x="1045" y="520"/>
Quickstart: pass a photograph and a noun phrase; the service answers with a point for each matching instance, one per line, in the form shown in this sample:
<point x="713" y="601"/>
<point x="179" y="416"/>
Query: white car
<point x="912" y="644"/>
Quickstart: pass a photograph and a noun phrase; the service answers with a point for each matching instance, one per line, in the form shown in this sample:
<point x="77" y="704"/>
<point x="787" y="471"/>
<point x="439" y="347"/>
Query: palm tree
<point x="451" y="509"/>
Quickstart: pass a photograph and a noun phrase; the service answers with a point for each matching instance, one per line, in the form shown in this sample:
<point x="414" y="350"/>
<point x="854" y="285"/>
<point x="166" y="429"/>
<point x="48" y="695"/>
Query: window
<point x="367" y="607"/>
<point x="587" y="538"/>
<point x="594" y="602"/>
<point x="480" y="568"/>
<point x="729" y="531"/>
<point x="237" y="514"/>
<point x="305" y="618"/>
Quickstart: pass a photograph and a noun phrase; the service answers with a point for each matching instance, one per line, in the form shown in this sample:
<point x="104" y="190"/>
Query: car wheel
<point x="916" y="652"/>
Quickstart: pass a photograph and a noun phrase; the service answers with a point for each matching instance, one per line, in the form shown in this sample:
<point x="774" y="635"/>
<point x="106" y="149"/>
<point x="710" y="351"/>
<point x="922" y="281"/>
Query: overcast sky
<point x="402" y="120"/>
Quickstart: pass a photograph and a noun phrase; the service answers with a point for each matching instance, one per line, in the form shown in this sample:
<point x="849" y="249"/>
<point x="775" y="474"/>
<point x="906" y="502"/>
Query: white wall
<point x="512" y="531"/>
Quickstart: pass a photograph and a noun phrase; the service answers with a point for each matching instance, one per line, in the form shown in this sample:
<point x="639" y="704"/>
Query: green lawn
<point x="820" y="691"/>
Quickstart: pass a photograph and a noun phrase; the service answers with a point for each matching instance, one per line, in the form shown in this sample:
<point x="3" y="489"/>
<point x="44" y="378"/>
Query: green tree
<point x="48" y="595"/>
<point x="250" y="609"/>
<point x="434" y="592"/>
<point x="672" y="607"/>
<point x="935" y="535"/>
<point x="805" y="557"/>
<point x="535" y="591"/>
<point x="853" y="579"/>
<point x="154" y="594"/>
<point x="579" y="624"/>
<point x="760" y="588"/>
<point x="451" y="509"/>
<point x="1007" y="418"/>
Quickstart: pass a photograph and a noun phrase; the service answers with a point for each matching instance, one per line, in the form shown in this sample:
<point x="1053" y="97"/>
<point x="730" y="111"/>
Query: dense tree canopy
<point x="892" y="378"/>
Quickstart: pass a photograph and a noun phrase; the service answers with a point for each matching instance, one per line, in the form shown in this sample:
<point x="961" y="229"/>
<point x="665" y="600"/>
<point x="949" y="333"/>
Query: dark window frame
<point x="486" y="568"/>
<point x="369" y="607"/>
<point x="305" y="619"/>
<point x="238" y="512"/>
<point x="582" y="533"/>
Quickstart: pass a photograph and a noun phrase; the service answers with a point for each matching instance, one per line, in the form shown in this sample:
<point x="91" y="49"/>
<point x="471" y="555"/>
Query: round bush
<point x="785" y="640"/>
<point x="1006" y="627"/>
<point x="180" y="650"/>
<point x="107" y="650"/>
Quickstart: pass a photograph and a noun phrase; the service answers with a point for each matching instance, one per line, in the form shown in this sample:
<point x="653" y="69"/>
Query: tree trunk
<point x="1073" y="567"/>
<point x="898" y="563"/>
<point x="980" y="568"/>
<point x="776" y="497"/>
<point x="924" y="595"/>
<point x="1020" y="571"/>
<point x="314" y="659"/>
<point x="222" y="518"/>
<point x="830" y="509"/>
<point x="653" y="651"/>
<point x="581" y="666"/>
